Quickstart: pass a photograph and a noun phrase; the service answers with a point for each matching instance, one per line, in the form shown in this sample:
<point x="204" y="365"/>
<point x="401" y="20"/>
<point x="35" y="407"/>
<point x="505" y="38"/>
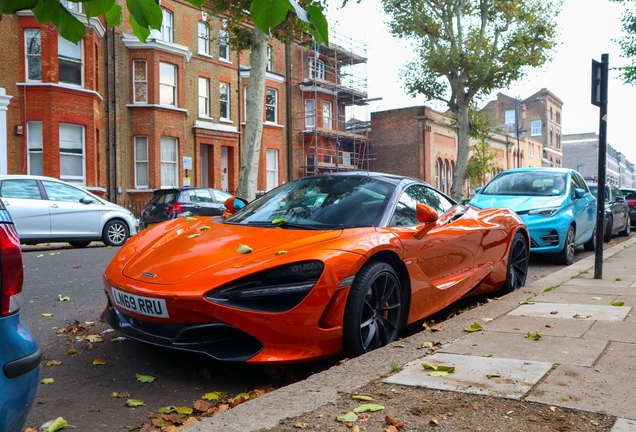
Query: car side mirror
<point x="619" y="198"/>
<point x="234" y="205"/>
<point x="86" y="199"/>
<point x="477" y="190"/>
<point x="578" y="193"/>
<point x="428" y="216"/>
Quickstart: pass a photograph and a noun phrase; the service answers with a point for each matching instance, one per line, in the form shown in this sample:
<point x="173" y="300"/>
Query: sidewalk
<point x="583" y="360"/>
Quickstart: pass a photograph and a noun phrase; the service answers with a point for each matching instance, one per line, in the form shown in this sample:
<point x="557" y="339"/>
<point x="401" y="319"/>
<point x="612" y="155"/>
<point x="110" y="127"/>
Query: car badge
<point x="150" y="275"/>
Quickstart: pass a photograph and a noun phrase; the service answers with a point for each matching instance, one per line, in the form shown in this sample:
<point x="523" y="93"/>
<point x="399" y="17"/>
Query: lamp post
<point x="517" y="132"/>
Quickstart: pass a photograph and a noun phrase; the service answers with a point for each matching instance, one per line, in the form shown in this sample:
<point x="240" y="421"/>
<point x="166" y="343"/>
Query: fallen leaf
<point x="281" y="252"/>
<point x="190" y="218"/>
<point x="391" y="429"/>
<point x="438" y="373"/>
<point x="596" y="298"/>
<point x="56" y="425"/>
<point x="93" y="338"/>
<point x="204" y="228"/>
<point x="47" y="381"/>
<point x="436" y="329"/>
<point x="493" y="375"/>
<point x="437" y="367"/>
<point x="145" y="378"/>
<point x="47" y="315"/>
<point x="434" y="422"/>
<point x="526" y="302"/>
<point x="486" y="355"/>
<point x="398" y="346"/>
<point x="473" y="328"/>
<point x="397" y="423"/>
<point x="554" y="312"/>
<point x="579" y="316"/>
<point x="52" y="363"/>
<point x="201" y="405"/>
<point x="39" y="256"/>
<point x="65" y="298"/>
<point x="300" y="425"/>
<point x="134" y="403"/>
<point x="552" y="408"/>
<point x="244" y="249"/>
<point x="362" y="398"/>
<point x="348" y="417"/>
<point x="214" y="395"/>
<point x="549" y="325"/>
<point x="72" y="352"/>
<point x="486" y="319"/>
<point x="194" y="235"/>
<point x="427" y="345"/>
<point x="368" y="408"/>
<point x="98" y="361"/>
<point x="536" y="336"/>
<point x="77" y="266"/>
<point x="120" y="395"/>
<point x="278" y="221"/>
<point x="90" y="323"/>
<point x="617" y="303"/>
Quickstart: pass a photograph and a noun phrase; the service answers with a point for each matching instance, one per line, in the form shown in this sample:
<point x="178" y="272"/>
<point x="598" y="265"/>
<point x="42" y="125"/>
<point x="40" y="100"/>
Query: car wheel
<point x="628" y="227"/>
<point x="590" y="246"/>
<point x="517" y="270"/>
<point x="115" y="233"/>
<point x="567" y="253"/>
<point x="373" y="310"/>
<point x="79" y="244"/>
<point x="608" y="230"/>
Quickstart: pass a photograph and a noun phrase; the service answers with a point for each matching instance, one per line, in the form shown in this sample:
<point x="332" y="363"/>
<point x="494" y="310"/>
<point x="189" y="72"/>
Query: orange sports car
<point x="325" y="264"/>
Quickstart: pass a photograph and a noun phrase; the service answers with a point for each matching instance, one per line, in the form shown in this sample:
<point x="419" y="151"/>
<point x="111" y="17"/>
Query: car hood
<point x="518" y="204"/>
<point x="176" y="251"/>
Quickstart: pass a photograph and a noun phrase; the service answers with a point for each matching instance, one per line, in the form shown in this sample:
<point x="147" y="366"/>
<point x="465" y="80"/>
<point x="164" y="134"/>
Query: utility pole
<point x="599" y="98"/>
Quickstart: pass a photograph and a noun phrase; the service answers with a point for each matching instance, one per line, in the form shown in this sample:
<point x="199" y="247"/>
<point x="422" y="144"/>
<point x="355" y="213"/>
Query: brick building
<point x="123" y="118"/>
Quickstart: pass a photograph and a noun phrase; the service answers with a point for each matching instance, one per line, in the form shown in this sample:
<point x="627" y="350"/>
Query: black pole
<point x="517" y="132"/>
<point x="600" y="71"/>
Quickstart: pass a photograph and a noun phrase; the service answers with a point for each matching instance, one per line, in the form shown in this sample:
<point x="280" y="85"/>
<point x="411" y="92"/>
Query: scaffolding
<point x="334" y="86"/>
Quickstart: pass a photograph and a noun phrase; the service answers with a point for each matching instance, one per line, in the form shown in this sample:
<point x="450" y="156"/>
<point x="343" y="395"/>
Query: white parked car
<point x="46" y="209"/>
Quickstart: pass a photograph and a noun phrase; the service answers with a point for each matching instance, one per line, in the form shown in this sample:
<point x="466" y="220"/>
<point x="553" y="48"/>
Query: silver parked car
<point x="46" y="209"/>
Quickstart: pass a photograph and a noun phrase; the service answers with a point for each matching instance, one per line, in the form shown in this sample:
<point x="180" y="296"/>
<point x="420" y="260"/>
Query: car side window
<point x="62" y="192"/>
<point x="405" y="213"/>
<point x="221" y="196"/>
<point x="200" y="195"/>
<point x="615" y="192"/>
<point x="23" y="189"/>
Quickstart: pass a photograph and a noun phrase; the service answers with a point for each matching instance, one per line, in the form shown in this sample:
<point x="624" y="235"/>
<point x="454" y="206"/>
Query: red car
<point x="325" y="264"/>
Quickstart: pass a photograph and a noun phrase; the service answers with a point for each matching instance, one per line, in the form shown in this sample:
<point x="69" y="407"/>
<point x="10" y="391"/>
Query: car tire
<point x="115" y="232"/>
<point x="628" y="227"/>
<point x="517" y="268"/>
<point x="566" y="255"/>
<point x="79" y="244"/>
<point x="590" y="245"/>
<point x="607" y="236"/>
<point x="373" y="311"/>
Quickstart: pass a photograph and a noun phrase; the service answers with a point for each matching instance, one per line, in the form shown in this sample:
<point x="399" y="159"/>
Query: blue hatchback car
<point x="554" y="203"/>
<point x="19" y="355"/>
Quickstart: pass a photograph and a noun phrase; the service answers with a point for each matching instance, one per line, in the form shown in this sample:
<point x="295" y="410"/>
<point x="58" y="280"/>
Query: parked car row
<point x="630" y="197"/>
<point x="617" y="216"/>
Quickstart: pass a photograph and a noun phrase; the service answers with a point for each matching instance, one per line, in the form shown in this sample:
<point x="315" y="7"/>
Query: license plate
<point x="142" y="305"/>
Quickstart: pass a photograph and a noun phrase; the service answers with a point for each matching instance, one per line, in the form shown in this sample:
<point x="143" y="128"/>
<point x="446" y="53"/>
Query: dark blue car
<point x="19" y="354"/>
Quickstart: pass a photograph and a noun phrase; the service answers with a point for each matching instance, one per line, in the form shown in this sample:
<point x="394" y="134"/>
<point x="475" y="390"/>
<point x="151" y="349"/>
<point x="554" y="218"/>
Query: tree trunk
<point x="255" y="106"/>
<point x="463" y="149"/>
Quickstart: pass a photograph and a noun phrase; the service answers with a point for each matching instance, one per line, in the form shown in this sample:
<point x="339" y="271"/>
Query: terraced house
<point x="123" y="118"/>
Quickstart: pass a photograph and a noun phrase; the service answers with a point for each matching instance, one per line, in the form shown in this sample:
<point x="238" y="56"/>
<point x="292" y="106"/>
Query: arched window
<point x="438" y="171"/>
<point x="445" y="176"/>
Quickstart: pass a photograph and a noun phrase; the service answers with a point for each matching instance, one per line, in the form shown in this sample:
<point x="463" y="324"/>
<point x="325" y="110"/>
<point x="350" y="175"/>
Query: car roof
<point x="181" y="189"/>
<point x="392" y="178"/>
<point x="546" y="169"/>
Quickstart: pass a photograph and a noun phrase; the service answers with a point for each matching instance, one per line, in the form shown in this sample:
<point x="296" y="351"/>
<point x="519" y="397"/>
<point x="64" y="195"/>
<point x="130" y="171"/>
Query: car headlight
<point x="274" y="290"/>
<point x="547" y="212"/>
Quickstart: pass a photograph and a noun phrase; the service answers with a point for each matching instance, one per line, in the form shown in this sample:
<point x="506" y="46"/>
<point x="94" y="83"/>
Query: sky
<point x="587" y="30"/>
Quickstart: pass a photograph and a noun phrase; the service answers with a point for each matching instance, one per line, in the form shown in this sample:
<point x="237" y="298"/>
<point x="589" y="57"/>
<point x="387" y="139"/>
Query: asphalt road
<point x="81" y="391"/>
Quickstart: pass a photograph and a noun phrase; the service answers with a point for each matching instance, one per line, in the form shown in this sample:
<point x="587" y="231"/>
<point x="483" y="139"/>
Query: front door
<point x="224" y="169"/>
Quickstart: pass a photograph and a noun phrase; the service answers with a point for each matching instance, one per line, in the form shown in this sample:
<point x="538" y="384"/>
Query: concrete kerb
<point x="327" y="386"/>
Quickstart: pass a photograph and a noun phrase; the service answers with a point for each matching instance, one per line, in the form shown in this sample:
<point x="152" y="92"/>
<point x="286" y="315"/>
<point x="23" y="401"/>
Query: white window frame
<point x="34" y="148"/>
<point x="203" y="34"/>
<point x="165" y="85"/>
<point x="316" y="68"/>
<point x="269" y="107"/>
<point x="272" y="169"/>
<point x="139" y="84"/>
<point x="32" y="55"/>
<point x="141" y="162"/>
<point x="224" y="47"/>
<point x="327" y="115"/>
<point x="166" y="163"/>
<point x="204" y="97"/>
<point x="75" y="179"/>
<point x="167" y="25"/>
<point x="269" y="58"/>
<point x="510" y="119"/>
<point x="61" y="42"/>
<point x="535" y="128"/>
<point x="438" y="169"/>
<point x="224" y="101"/>
<point x="72" y="7"/>
<point x="328" y="159"/>
<point x="310" y="113"/>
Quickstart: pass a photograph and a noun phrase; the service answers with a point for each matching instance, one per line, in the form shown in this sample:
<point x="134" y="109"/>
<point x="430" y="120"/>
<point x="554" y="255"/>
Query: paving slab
<point x="596" y="289"/>
<point x="546" y="326"/>
<point x="609" y="387"/>
<point x="612" y="331"/>
<point x="558" y="296"/>
<point x="552" y="349"/>
<point x="629" y="300"/>
<point x="568" y="311"/>
<point x="589" y="280"/>
<point x="624" y="425"/>
<point x="470" y="375"/>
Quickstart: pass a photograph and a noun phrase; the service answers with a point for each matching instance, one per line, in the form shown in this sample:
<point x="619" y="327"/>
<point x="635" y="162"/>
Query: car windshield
<point x="527" y="183"/>
<point x="320" y="202"/>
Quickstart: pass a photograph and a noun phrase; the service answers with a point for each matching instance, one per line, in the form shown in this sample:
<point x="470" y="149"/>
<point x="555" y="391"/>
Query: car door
<point x="30" y="213"/>
<point x="70" y="217"/>
<point x="441" y="264"/>
<point x="583" y="209"/>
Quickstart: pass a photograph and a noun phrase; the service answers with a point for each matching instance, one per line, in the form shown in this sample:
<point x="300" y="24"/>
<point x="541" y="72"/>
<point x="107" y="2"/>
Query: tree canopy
<point x="627" y="43"/>
<point x="468" y="48"/>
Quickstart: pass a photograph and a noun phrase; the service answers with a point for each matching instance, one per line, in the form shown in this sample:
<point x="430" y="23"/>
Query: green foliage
<point x="627" y="43"/>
